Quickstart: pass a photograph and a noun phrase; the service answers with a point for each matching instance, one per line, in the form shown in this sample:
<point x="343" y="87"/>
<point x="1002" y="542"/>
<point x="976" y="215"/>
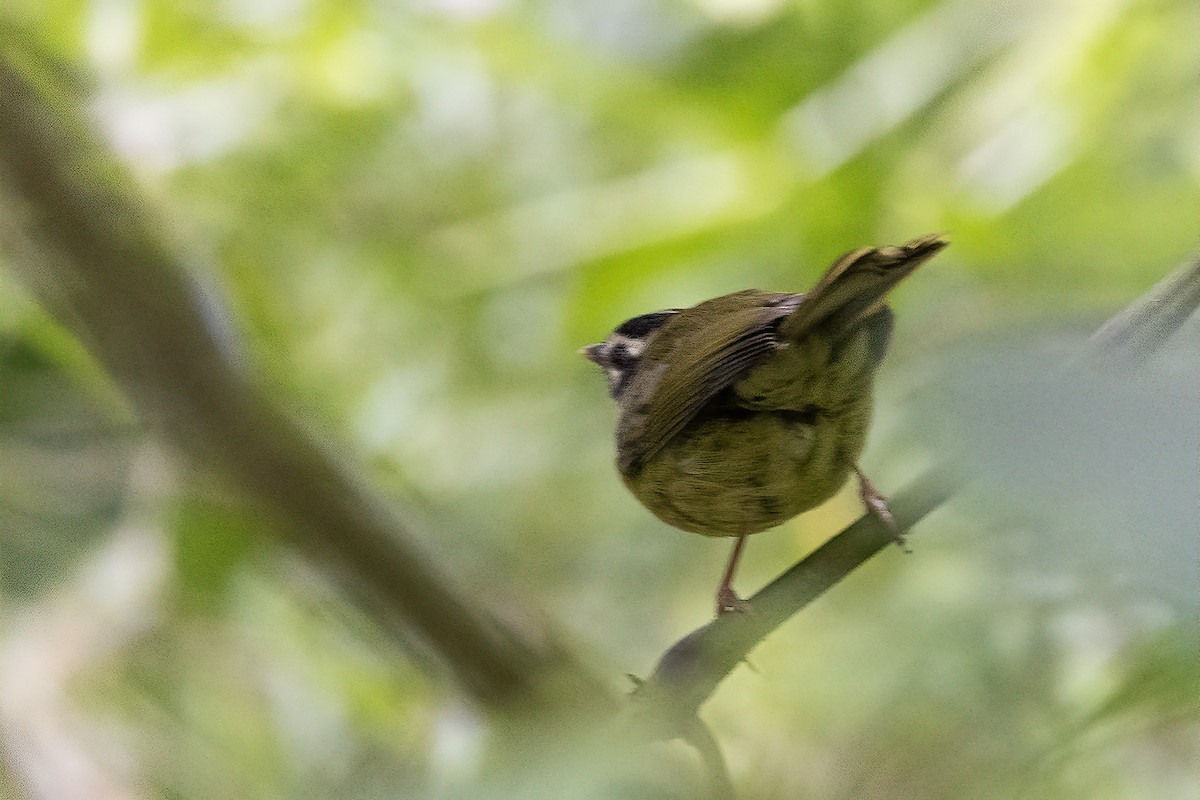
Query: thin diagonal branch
<point x="1140" y="329"/>
<point x="692" y="668"/>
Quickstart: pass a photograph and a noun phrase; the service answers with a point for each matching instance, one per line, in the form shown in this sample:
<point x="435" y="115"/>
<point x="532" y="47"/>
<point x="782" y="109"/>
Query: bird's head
<point x="620" y="353"/>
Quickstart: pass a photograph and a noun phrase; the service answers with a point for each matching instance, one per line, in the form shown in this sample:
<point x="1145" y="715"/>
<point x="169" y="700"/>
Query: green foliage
<point x="417" y="212"/>
<point x="64" y="475"/>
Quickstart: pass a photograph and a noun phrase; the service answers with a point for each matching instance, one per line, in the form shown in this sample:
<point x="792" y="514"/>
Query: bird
<point x="739" y="413"/>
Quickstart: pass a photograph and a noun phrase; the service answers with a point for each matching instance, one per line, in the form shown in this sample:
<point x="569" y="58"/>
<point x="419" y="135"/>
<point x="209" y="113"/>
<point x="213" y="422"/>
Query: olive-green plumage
<point x="774" y="443"/>
<point x="746" y="410"/>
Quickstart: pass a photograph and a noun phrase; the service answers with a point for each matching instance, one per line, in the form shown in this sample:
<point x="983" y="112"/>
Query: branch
<point x="702" y="740"/>
<point x="1141" y="328"/>
<point x="79" y="234"/>
<point x="690" y="670"/>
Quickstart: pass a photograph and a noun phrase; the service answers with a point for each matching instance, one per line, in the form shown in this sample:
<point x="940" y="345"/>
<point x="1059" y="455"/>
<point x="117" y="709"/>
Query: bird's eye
<point x="620" y="356"/>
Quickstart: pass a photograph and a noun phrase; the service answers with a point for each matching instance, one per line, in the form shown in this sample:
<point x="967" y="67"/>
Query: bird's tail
<point x="857" y="285"/>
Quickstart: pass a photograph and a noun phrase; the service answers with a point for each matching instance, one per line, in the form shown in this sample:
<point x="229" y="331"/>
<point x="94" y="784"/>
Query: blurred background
<point x="416" y="212"/>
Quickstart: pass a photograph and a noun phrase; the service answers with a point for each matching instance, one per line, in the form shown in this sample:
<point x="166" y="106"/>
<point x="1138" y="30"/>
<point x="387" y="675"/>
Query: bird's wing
<point x="683" y="369"/>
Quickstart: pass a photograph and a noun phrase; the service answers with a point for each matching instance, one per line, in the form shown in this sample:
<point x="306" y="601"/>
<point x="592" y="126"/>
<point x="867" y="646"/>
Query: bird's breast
<point x="741" y="471"/>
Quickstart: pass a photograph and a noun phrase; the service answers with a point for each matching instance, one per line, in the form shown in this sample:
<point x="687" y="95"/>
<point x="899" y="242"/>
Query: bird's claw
<point x="729" y="602"/>
<point x="877" y="504"/>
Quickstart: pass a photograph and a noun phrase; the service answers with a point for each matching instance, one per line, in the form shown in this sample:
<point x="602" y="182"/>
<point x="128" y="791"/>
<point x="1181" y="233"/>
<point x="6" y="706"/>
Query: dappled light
<point x="306" y="492"/>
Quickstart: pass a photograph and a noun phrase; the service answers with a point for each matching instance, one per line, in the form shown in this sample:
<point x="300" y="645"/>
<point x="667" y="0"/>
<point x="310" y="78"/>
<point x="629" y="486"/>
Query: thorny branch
<point x="82" y="238"/>
<point x="689" y="671"/>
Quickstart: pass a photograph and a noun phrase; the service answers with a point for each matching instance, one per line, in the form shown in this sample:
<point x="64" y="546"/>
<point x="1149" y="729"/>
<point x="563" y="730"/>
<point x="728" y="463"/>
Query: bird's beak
<point x="591" y="352"/>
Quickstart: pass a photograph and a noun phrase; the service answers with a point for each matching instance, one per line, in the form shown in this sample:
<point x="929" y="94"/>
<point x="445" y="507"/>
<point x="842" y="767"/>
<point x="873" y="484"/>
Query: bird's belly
<point x="726" y="477"/>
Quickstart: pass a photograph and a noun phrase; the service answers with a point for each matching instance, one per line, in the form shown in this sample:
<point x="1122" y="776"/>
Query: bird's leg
<point x="876" y="503"/>
<point x="727" y="599"/>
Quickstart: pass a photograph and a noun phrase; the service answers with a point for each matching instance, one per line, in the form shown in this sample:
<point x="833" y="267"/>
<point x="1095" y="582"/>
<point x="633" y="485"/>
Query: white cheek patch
<point x="619" y="358"/>
<point x="633" y="347"/>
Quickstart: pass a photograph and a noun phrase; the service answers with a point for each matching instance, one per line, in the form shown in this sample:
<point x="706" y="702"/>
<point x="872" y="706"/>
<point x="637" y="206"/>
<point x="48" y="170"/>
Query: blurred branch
<point x="1140" y="329"/>
<point x="667" y="702"/>
<point x="79" y="234"/>
<point x="700" y="737"/>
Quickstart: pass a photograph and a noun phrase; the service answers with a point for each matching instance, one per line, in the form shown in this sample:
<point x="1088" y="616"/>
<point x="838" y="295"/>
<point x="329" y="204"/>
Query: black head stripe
<point x="646" y="324"/>
<point x="620" y="356"/>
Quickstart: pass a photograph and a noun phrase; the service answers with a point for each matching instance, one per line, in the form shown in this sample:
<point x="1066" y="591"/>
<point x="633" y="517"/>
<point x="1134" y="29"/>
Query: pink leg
<point x="727" y="599"/>
<point x="876" y="503"/>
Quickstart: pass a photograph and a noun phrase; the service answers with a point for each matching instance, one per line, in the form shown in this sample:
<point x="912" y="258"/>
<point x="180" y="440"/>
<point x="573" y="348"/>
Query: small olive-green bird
<point x="741" y="412"/>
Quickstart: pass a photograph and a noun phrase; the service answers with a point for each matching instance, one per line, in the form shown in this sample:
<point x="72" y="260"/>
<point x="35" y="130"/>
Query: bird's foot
<point x="877" y="504"/>
<point x="728" y="601"/>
